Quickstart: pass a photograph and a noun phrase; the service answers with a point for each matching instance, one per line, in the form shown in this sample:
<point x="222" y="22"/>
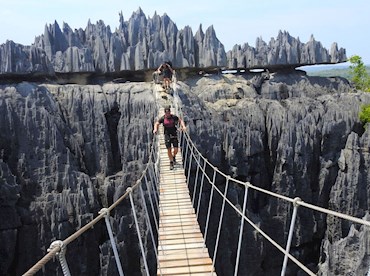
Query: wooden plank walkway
<point x="181" y="248"/>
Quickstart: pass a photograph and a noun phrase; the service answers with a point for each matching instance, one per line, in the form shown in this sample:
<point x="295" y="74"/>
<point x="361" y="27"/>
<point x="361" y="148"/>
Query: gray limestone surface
<point x="143" y="43"/>
<point x="66" y="151"/>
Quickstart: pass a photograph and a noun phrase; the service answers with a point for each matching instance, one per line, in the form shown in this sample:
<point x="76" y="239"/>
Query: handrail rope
<point x="298" y="202"/>
<point x="266" y="236"/>
<point x="35" y="268"/>
<point x="291" y="200"/>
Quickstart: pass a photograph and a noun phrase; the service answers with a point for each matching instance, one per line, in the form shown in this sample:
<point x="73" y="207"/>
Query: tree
<point x="360" y="77"/>
<point x="365" y="114"/>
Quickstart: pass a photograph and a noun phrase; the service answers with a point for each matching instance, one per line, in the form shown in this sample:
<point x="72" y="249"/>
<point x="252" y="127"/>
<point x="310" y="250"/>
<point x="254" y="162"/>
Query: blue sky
<point x="235" y="22"/>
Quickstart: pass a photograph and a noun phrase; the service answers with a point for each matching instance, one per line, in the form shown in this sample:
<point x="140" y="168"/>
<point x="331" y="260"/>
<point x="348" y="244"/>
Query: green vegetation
<point x="365" y="114"/>
<point x="334" y="72"/>
<point x="360" y="76"/>
<point x="357" y="72"/>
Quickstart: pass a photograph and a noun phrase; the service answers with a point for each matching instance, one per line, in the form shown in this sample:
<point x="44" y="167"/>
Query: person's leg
<point x="168" y="144"/>
<point x="175" y="150"/>
<point x="170" y="156"/>
<point x="175" y="143"/>
<point x="169" y="153"/>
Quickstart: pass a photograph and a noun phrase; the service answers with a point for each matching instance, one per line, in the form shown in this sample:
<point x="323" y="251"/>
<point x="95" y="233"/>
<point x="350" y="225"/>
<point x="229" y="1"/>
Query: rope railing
<point x="201" y="164"/>
<point x="149" y="179"/>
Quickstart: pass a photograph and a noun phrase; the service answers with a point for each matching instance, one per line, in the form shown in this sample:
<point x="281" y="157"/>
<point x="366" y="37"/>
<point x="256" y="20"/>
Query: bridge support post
<point x="290" y="236"/>
<point x="61" y="255"/>
<point x="105" y="211"/>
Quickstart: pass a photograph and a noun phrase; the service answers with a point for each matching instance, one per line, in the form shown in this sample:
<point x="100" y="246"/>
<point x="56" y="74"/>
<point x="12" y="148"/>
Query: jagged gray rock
<point x="69" y="150"/>
<point x="284" y="50"/>
<point x="300" y="144"/>
<point x="18" y="59"/>
<point x="143" y="43"/>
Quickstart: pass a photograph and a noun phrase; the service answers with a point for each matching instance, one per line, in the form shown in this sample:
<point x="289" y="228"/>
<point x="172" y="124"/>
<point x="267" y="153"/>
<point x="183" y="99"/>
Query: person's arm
<point x="169" y="67"/>
<point x="182" y="124"/>
<point x="159" y="68"/>
<point x="155" y="128"/>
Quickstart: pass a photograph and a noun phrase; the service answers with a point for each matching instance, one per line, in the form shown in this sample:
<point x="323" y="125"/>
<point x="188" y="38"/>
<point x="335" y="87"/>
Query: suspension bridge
<point x="172" y="214"/>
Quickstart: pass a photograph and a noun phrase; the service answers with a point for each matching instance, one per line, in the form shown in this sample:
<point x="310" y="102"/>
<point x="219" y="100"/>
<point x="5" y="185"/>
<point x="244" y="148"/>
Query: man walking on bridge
<point x="170" y="122"/>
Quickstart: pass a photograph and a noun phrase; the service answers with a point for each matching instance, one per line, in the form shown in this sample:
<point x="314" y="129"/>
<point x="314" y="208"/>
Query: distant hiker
<point x="167" y="71"/>
<point x="170" y="122"/>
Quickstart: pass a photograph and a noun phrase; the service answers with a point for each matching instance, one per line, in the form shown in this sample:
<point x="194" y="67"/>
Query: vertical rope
<point x="155" y="191"/>
<point x="290" y="236"/>
<point x="209" y="207"/>
<point x="220" y="223"/>
<point x="61" y="256"/>
<point x="241" y="231"/>
<point x="129" y="190"/>
<point x="189" y="168"/>
<point x="150" y="226"/>
<point x="196" y="180"/>
<point x="105" y="211"/>
<point x="201" y="186"/>
<point x="186" y="152"/>
<point x="151" y="205"/>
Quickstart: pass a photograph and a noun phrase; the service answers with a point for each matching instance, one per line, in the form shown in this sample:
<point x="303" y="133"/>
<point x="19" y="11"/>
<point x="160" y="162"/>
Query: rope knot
<point x="296" y="201"/>
<point x="104" y="211"/>
<point x="55" y="244"/>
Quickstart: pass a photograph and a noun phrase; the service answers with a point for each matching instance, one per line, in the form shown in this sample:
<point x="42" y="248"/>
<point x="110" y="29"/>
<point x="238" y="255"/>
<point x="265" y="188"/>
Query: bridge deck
<point x="181" y="249"/>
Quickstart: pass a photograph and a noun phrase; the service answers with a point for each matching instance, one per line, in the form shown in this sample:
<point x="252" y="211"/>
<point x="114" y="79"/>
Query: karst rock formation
<point x="143" y="43"/>
<point x="68" y="150"/>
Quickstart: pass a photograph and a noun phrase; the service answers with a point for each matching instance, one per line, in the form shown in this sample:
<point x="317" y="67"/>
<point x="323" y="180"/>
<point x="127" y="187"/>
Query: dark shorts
<point x="170" y="139"/>
<point x="167" y="74"/>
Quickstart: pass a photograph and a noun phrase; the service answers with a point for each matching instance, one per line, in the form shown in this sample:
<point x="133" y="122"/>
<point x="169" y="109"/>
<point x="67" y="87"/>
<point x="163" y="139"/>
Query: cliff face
<point x="69" y="150"/>
<point x="66" y="152"/>
<point x="144" y="43"/>
<point x="294" y="135"/>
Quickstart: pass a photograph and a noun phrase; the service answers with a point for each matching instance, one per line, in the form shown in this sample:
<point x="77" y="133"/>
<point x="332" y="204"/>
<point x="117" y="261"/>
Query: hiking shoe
<point x="171" y="165"/>
<point x="174" y="161"/>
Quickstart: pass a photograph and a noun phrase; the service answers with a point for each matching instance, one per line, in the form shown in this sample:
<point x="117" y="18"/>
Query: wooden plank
<point x="194" y="273"/>
<point x="182" y="235"/>
<point x="170" y="212"/>
<point x="186" y="262"/>
<point x="186" y="228"/>
<point x="193" y="245"/>
<point x="187" y="256"/>
<point x="181" y="249"/>
<point x="181" y="240"/>
<point x="189" y="269"/>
